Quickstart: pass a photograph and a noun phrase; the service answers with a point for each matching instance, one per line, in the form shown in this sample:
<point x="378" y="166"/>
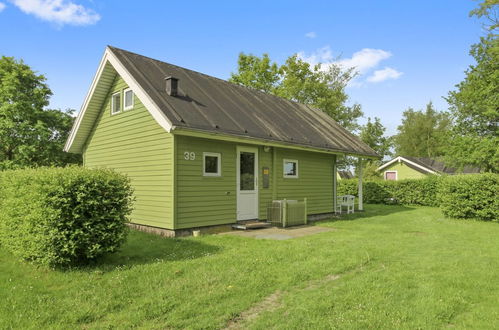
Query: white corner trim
<point x="402" y="159"/>
<point x="153" y="109"/>
<point x="396" y="175"/>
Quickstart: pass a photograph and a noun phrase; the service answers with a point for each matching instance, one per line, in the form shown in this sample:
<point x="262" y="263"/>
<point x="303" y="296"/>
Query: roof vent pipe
<point x="171" y="85"/>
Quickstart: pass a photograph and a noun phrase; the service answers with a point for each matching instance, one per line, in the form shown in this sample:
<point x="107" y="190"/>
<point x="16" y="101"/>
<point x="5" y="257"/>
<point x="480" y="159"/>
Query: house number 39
<point x="189" y="155"/>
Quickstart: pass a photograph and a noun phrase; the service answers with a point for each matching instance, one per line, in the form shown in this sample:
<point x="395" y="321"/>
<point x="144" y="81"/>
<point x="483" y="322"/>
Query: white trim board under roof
<point x="402" y="159"/>
<point x="103" y="79"/>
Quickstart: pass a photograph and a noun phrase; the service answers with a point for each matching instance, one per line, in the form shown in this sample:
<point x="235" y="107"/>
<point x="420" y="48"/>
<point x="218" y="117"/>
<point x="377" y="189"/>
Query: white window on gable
<point x="115" y="103"/>
<point x="127" y="99"/>
<point x="290" y="168"/>
<point x="212" y="164"/>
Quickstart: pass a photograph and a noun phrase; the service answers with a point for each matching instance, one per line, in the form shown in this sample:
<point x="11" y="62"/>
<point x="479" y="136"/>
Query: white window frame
<point x="112" y="103"/>
<point x="396" y="175"/>
<point x="130" y="107"/>
<point x="219" y="163"/>
<point x="284" y="161"/>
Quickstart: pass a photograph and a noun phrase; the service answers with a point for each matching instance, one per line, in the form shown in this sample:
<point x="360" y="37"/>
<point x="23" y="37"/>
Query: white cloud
<point x="2" y="6"/>
<point x="365" y="59"/>
<point x="384" y="74"/>
<point x="311" y="35"/>
<point x="58" y="11"/>
<point x="322" y="55"/>
<point x="363" y="62"/>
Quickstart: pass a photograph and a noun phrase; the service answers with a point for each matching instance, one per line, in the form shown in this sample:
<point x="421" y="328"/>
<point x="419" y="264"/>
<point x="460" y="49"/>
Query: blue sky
<point x="408" y="52"/>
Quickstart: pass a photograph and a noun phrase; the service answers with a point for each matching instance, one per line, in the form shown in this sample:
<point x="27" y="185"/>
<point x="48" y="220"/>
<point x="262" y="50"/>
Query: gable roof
<point x="212" y="105"/>
<point x="429" y="165"/>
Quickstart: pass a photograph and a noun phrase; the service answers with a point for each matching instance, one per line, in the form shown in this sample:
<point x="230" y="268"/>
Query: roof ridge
<point x="296" y="121"/>
<point x="213" y="77"/>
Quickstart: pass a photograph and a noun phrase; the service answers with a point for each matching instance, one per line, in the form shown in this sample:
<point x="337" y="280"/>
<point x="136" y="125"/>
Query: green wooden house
<point x="201" y="151"/>
<point x="400" y="168"/>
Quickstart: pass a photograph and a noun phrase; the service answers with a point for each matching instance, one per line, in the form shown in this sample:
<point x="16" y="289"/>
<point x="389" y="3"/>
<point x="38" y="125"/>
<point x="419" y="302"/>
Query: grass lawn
<point x="389" y="267"/>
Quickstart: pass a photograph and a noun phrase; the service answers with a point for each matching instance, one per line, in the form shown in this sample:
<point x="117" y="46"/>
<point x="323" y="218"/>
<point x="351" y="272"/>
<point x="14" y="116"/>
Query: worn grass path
<point x="390" y="267"/>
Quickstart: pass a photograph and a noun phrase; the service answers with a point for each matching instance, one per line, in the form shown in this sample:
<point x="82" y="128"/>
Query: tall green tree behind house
<point x="422" y="133"/>
<point x="373" y="134"/>
<point x="30" y="135"/>
<point x="322" y="87"/>
<point x="474" y="105"/>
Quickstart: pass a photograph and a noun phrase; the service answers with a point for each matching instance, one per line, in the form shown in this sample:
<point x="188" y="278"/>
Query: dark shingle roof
<point x="439" y="166"/>
<point x="211" y="104"/>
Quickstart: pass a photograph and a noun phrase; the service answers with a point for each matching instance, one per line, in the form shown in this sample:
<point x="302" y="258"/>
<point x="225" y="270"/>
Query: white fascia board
<point x="84" y="106"/>
<point x="396" y="159"/>
<point x="153" y="109"/>
<point x="400" y="158"/>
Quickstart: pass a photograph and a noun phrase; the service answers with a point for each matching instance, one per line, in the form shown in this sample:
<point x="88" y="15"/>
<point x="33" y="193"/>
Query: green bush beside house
<point x="458" y="196"/>
<point x="63" y="216"/>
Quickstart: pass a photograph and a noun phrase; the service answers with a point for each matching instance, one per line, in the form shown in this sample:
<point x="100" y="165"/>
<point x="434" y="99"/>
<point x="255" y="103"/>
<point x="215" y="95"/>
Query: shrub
<point x="374" y="192"/>
<point x="63" y="216"/>
<point x="470" y="196"/>
<point x="416" y="191"/>
<point x="410" y="192"/>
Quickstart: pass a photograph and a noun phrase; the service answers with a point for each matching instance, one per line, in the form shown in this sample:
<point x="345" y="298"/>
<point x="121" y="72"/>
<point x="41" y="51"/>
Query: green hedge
<point x="63" y="216"/>
<point x="410" y="192"/>
<point x="470" y="196"/>
<point x="459" y="196"/>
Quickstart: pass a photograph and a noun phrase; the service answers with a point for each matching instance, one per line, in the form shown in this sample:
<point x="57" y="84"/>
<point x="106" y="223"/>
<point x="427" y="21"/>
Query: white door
<point x="247" y="183"/>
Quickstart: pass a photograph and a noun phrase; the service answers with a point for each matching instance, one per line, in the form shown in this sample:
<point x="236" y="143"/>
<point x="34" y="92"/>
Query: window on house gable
<point x="290" y="168"/>
<point x="115" y="103"/>
<point x="391" y="175"/>
<point x="127" y="99"/>
<point x="211" y="164"/>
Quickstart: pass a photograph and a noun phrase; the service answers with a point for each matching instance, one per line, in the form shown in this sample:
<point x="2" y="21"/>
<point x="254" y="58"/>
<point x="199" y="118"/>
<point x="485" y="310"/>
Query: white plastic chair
<point x="346" y="200"/>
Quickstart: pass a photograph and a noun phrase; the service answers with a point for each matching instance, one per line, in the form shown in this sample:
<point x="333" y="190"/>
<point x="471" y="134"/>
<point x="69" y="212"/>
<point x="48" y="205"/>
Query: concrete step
<point x="251" y="225"/>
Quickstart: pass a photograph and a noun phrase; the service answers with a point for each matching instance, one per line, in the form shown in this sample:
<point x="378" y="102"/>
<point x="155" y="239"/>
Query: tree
<point x="422" y="134"/>
<point x="297" y="80"/>
<point x="258" y="73"/>
<point x="488" y="9"/>
<point x="30" y="135"/>
<point x="474" y="105"/>
<point x="373" y="134"/>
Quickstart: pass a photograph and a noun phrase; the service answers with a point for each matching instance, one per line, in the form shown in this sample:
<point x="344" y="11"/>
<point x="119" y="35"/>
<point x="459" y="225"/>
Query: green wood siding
<point x="314" y="182"/>
<point x="265" y="194"/>
<point x="133" y="143"/>
<point x="204" y="201"/>
<point x="404" y="171"/>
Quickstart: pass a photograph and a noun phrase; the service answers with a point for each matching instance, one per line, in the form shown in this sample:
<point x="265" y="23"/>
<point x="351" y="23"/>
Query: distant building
<point x="401" y="168"/>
